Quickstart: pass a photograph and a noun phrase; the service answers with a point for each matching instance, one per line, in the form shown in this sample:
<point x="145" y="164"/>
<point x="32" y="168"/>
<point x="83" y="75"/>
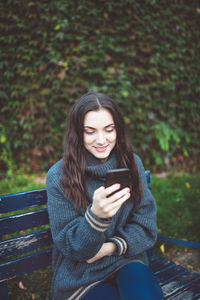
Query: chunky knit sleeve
<point x="140" y="232"/>
<point x="75" y="235"/>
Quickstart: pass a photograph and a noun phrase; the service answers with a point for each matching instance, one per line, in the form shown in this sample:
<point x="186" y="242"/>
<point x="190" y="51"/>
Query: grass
<point x="19" y="183"/>
<point x="178" y="201"/>
<point x="32" y="286"/>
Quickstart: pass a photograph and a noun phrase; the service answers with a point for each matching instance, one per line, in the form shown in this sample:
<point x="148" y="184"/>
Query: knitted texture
<point x="79" y="235"/>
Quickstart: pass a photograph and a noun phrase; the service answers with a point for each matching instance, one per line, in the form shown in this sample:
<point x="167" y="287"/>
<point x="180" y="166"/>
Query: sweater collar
<point x="98" y="169"/>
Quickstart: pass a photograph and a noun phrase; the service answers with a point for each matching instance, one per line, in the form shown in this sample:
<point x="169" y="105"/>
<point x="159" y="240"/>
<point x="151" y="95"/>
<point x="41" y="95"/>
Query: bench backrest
<point x="26" y="241"/>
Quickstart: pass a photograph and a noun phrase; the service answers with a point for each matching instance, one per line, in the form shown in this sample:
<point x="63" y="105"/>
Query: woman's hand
<point x="104" y="206"/>
<point x="107" y="249"/>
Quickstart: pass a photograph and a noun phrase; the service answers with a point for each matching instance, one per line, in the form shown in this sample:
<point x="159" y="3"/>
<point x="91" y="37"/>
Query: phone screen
<point x="118" y="176"/>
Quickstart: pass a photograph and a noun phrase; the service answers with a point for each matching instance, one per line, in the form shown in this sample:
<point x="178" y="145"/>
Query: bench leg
<point x="3" y="291"/>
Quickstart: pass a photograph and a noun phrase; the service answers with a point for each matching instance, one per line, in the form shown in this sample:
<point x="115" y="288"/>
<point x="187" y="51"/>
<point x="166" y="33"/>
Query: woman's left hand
<point x="107" y="249"/>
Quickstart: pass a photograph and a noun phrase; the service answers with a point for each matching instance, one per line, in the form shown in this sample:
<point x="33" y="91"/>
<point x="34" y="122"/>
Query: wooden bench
<point x="23" y="253"/>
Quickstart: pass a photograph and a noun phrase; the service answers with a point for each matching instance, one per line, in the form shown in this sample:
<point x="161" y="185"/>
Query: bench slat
<point x="179" y="284"/>
<point x="25" y="265"/>
<point x="191" y="244"/>
<point x="192" y="292"/>
<point x="19" y="201"/>
<point x="175" y="281"/>
<point x="170" y="274"/>
<point x="160" y="264"/>
<point x="23" y="221"/>
<point x="22" y="244"/>
<point x="161" y="267"/>
<point x="148" y="176"/>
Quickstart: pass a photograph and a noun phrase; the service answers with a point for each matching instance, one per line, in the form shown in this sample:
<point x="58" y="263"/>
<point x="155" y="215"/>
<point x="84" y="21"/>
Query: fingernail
<point x="128" y="190"/>
<point x="118" y="185"/>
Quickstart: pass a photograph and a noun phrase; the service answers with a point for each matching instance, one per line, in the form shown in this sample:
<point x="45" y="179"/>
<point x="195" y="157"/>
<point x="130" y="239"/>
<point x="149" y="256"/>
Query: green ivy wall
<point x="145" y="54"/>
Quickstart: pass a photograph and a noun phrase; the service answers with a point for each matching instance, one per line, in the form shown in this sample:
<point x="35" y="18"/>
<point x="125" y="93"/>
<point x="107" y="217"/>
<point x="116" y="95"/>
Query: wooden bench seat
<point x="176" y="281"/>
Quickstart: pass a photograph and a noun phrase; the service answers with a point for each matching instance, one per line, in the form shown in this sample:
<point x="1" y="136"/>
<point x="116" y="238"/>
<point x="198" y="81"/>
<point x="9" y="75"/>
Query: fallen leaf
<point x="21" y="286"/>
<point x="162" y="248"/>
<point x="187" y="184"/>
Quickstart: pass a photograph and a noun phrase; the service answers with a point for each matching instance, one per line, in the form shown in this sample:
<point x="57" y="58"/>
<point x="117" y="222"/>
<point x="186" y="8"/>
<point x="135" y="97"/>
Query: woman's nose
<point x="100" y="138"/>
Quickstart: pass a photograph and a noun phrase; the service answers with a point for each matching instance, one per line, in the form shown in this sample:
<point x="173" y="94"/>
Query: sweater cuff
<point x="121" y="245"/>
<point x="95" y="222"/>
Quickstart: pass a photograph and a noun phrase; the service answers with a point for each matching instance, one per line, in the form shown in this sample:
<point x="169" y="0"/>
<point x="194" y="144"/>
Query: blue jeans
<point x="134" y="281"/>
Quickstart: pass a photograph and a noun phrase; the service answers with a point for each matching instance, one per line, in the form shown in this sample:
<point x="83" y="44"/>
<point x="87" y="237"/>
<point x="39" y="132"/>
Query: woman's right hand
<point x="105" y="206"/>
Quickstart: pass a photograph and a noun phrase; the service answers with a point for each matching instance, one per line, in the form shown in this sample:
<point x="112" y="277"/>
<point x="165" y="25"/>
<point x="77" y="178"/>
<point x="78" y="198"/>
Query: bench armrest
<point x="179" y="242"/>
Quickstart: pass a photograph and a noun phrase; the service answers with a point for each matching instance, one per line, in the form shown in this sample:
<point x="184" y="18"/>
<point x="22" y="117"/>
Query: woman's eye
<point x="110" y="130"/>
<point x="89" y="132"/>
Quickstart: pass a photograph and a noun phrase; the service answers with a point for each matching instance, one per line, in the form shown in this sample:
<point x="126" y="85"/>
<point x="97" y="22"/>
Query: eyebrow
<point x="112" y="124"/>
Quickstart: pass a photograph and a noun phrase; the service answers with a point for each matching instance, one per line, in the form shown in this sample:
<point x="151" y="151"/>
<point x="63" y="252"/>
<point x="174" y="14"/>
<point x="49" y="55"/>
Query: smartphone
<point x="121" y="176"/>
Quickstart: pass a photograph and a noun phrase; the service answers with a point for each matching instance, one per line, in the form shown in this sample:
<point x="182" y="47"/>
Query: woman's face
<point x="99" y="134"/>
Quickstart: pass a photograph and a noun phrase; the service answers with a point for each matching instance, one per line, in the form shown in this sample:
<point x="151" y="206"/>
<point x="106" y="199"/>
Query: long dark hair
<point x="74" y="160"/>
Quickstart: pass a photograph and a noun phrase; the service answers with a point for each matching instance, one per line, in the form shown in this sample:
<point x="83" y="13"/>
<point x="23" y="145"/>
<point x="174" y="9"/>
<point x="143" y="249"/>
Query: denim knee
<point x="104" y="290"/>
<point x="137" y="281"/>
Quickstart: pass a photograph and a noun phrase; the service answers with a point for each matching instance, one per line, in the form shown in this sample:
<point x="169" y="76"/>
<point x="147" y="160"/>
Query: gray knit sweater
<point x="79" y="235"/>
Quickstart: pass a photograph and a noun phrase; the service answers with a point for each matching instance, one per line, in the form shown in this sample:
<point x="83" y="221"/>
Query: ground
<point x="188" y="258"/>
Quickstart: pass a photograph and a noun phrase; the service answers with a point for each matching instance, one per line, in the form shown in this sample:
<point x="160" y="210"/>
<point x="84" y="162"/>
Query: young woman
<point x="100" y="234"/>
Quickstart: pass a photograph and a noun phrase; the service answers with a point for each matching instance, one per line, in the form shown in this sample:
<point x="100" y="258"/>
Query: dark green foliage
<point x="143" y="53"/>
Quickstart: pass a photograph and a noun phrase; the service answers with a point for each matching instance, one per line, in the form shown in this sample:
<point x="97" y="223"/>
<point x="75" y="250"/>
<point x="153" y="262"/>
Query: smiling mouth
<point x="101" y="149"/>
